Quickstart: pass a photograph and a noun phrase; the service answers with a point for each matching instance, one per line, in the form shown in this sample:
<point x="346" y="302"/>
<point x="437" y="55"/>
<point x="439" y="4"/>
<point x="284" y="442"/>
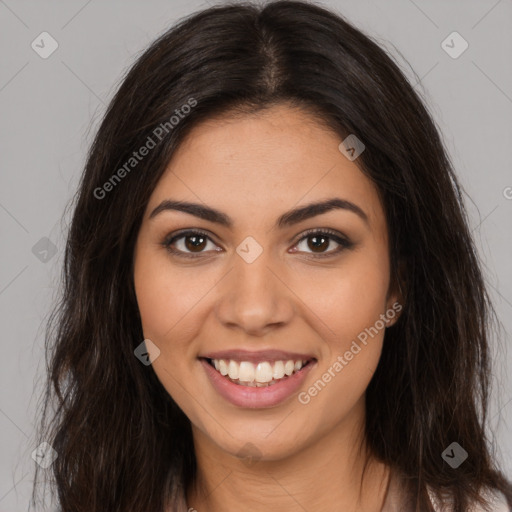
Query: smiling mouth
<point x="262" y="374"/>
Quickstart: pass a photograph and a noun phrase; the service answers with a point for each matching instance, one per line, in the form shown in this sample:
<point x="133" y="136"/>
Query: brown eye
<point x="319" y="241"/>
<point x="188" y="244"/>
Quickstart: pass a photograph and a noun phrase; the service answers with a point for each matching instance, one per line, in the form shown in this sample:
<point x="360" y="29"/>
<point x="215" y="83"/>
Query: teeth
<point x="246" y="372"/>
<point x="278" y="370"/>
<point x="233" y="370"/>
<point x="263" y="373"/>
<point x="259" y="375"/>
<point x="289" y="366"/>
<point x="223" y="367"/>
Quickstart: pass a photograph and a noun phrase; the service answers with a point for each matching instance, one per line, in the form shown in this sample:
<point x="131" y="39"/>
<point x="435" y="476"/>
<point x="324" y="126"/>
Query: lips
<point x="260" y="389"/>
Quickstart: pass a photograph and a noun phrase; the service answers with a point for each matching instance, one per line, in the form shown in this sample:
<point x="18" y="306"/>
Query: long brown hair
<point x="122" y="442"/>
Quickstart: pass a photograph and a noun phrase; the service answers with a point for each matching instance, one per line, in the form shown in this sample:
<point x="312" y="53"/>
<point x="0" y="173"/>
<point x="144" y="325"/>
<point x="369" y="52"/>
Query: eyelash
<point x="344" y="243"/>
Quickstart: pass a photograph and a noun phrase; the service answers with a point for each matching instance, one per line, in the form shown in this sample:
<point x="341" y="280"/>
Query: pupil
<point x="195" y="245"/>
<point x="322" y="245"/>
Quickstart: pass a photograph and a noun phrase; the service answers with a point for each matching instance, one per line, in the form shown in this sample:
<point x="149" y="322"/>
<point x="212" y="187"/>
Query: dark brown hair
<point x="122" y="442"/>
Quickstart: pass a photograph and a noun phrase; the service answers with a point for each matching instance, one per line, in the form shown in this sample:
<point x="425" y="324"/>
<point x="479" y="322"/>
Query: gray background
<point x="50" y="109"/>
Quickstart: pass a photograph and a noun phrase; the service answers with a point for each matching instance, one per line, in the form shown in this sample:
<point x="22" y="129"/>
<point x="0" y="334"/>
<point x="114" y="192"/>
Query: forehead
<point x="261" y="164"/>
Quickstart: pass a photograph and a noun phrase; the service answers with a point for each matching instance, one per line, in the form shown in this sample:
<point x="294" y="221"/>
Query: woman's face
<point x="257" y="290"/>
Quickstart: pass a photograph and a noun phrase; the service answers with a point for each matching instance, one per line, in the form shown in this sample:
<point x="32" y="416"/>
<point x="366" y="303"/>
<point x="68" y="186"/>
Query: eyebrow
<point x="287" y="219"/>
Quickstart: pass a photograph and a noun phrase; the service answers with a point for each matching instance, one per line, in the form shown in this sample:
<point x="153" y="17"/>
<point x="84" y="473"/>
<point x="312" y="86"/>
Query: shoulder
<point x="496" y="499"/>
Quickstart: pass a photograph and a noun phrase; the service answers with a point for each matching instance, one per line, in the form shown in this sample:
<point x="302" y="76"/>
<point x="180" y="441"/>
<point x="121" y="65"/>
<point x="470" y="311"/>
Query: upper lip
<point x="257" y="356"/>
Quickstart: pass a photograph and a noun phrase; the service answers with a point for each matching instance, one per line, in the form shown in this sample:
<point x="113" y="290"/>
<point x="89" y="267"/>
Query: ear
<point x="396" y="295"/>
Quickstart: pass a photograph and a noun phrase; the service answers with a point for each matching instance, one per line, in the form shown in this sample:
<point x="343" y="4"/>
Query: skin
<point x="254" y="168"/>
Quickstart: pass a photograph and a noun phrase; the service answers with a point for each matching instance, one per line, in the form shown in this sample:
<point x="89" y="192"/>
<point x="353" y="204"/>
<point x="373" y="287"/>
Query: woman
<point x="271" y="297"/>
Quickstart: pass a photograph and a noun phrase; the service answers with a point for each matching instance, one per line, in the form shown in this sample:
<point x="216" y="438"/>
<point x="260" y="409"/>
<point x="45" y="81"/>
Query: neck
<point x="326" y="475"/>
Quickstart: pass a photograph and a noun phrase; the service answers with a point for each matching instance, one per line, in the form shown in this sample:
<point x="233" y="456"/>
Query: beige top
<point x="396" y="501"/>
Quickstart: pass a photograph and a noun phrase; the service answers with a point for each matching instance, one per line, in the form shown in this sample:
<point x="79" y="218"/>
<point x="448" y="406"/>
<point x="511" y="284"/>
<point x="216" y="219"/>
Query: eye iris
<point x="195" y="244"/>
<point x="315" y="246"/>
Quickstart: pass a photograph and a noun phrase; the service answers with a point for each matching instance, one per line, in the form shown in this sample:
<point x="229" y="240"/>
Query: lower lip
<point x="254" y="397"/>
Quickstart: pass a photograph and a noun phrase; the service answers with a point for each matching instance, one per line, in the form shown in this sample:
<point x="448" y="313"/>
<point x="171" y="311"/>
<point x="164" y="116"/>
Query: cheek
<point x="154" y="297"/>
<point x="166" y="304"/>
<point x="349" y="301"/>
<point x="349" y="298"/>
<point x="351" y="308"/>
<point x="171" y="300"/>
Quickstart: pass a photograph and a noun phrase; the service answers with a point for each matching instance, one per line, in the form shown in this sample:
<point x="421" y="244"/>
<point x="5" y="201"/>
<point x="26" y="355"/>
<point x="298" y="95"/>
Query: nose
<point x="254" y="297"/>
